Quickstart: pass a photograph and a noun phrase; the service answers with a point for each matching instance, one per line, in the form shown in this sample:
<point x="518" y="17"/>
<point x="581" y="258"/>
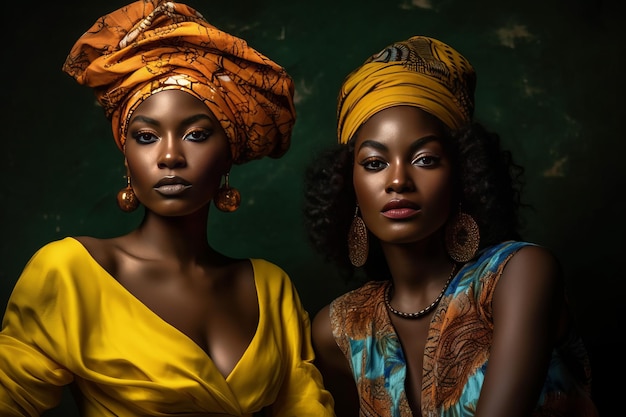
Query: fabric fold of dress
<point x="69" y="321"/>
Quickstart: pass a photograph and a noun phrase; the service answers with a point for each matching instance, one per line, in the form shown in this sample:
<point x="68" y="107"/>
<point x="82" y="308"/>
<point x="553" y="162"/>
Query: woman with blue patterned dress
<point x="458" y="316"/>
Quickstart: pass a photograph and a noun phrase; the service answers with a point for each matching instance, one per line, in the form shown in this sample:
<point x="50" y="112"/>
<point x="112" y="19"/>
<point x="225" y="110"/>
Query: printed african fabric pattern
<point x="151" y="45"/>
<point x="457" y="349"/>
<point x="421" y="72"/>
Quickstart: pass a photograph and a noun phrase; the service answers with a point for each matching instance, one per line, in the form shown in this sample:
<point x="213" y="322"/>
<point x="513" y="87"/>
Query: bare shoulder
<point x="537" y="254"/>
<point x="322" y="333"/>
<point x="532" y="282"/>
<point x="113" y="256"/>
<point x="103" y="251"/>
<point x="534" y="265"/>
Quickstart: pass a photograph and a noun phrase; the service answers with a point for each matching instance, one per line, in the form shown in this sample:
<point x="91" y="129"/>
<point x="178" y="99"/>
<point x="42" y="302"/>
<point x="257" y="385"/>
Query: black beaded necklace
<point x="425" y="310"/>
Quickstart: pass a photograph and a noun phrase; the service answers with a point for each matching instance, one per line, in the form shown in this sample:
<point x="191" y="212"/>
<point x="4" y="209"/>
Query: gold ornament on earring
<point x="462" y="237"/>
<point x="227" y="198"/>
<point x="126" y="198"/>
<point x="358" y="246"/>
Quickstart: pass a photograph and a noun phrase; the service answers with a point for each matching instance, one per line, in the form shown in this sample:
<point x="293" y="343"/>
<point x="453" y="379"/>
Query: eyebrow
<point x="414" y="146"/>
<point x="187" y="121"/>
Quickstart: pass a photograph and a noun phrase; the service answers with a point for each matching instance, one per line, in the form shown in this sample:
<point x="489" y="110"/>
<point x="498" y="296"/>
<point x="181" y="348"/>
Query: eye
<point x="426" y="161"/>
<point x="199" y="135"/>
<point x="373" y="164"/>
<point x="144" y="137"/>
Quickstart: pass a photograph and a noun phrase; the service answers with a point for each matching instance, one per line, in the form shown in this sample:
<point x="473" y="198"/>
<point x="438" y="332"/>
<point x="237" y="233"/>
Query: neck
<point x="183" y="237"/>
<point x="416" y="265"/>
<point x="420" y="272"/>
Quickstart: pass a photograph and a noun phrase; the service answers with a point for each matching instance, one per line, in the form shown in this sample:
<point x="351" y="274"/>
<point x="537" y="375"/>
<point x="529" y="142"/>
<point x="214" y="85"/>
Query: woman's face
<point x="402" y="175"/>
<point x="176" y="152"/>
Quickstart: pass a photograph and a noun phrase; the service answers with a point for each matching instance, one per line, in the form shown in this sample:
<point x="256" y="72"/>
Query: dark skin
<point x="167" y="262"/>
<point x="398" y="157"/>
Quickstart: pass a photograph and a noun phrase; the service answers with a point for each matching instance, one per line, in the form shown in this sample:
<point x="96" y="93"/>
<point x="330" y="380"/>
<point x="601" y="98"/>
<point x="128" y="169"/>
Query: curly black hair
<point x="488" y="186"/>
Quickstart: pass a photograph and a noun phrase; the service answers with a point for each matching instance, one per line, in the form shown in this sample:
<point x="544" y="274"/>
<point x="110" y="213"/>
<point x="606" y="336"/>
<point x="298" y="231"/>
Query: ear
<point x="127" y="167"/>
<point x="228" y="166"/>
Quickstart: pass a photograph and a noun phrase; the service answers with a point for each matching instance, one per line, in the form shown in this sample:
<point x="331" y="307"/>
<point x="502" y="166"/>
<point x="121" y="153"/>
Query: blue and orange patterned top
<point x="363" y="330"/>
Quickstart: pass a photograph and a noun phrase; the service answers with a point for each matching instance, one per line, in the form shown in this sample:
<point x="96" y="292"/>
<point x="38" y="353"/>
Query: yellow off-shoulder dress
<point x="69" y="321"/>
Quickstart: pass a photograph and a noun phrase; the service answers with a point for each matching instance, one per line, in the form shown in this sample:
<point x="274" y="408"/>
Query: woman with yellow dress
<point x="157" y="322"/>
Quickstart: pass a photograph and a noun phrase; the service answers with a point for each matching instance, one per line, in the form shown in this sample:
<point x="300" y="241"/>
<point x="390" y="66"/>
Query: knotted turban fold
<point x="421" y="72"/>
<point x="153" y="45"/>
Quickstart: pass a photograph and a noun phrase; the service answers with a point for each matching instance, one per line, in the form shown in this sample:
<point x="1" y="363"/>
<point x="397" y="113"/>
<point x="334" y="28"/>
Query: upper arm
<point x="527" y="306"/>
<point x="301" y="391"/>
<point x="334" y="366"/>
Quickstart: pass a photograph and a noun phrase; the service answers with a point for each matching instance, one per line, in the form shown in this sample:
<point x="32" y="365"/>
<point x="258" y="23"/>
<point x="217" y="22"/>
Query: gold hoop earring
<point x="126" y="198"/>
<point x="358" y="245"/>
<point x="462" y="237"/>
<point x="227" y="198"/>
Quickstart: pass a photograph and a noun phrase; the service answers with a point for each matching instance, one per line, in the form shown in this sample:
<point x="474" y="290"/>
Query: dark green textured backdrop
<point x="550" y="81"/>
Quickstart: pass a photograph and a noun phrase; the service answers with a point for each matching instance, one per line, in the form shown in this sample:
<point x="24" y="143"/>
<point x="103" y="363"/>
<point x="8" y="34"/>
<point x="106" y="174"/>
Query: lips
<point x="400" y="209"/>
<point x="171" y="185"/>
<point x="400" y="204"/>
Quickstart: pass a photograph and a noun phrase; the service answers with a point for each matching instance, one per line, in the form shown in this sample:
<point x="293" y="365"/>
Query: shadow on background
<point x="549" y="81"/>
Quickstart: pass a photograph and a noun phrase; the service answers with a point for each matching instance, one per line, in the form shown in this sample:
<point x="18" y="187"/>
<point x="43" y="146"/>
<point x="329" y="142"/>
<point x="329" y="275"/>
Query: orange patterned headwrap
<point x="153" y="45"/>
<point x="421" y="72"/>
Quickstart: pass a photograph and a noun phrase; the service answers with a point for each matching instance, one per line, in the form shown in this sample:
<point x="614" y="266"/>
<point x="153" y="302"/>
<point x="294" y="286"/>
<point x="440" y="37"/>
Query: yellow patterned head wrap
<point x="421" y="72"/>
<point x="154" y="45"/>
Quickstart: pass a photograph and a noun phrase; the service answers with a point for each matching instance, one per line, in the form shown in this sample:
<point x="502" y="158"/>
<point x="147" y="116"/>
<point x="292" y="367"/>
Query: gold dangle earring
<point x="126" y="198"/>
<point x="462" y="237"/>
<point x="358" y="245"/>
<point x="227" y="198"/>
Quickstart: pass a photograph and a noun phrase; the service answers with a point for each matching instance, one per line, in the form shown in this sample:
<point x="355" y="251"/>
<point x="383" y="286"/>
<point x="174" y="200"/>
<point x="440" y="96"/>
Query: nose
<point x="171" y="155"/>
<point x="399" y="180"/>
